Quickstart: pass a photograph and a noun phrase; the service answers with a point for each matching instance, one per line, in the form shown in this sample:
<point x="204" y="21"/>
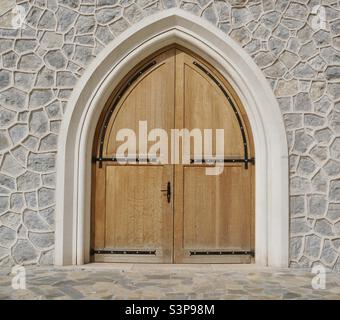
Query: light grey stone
<point x="34" y="222"/>
<point x="323" y="227"/>
<point x="334" y="90"/>
<point x="42" y="241"/>
<point x="17" y="202"/>
<point x="312" y="246"/>
<point x="33" y="16"/>
<point x="119" y="26"/>
<point x="55" y="59"/>
<point x="31" y="199"/>
<point x="41" y="162"/>
<point x="317" y="63"/>
<point x="276" y="70"/>
<point x="296" y="11"/>
<point x="337" y="228"/>
<point x="7" y="237"/>
<point x="4" y="204"/>
<point x="302" y="102"/>
<point x="308" y="50"/>
<point x="210" y="14"/>
<point x="13" y="99"/>
<point x="293" y="121"/>
<point x="334" y="190"/>
<point x="320" y="182"/>
<point x="7" y="181"/>
<point x="276" y="45"/>
<point x="47" y="258"/>
<point x="9" y="60"/>
<point x="333" y="213"/>
<point x="5" y="78"/>
<point x="23" y="81"/>
<point x="11" y="220"/>
<point x="322" y="38"/>
<point x="314" y="121"/>
<point x="20" y="154"/>
<point x="40" y="97"/>
<point x="85" y="24"/>
<point x="25" y="45"/>
<point x="83" y="55"/>
<point x="299" y="185"/>
<point x="293" y="45"/>
<point x="241" y="35"/>
<point x="289" y="58"/>
<point x="328" y="254"/>
<point x="285" y="104"/>
<point x="23" y="251"/>
<point x="286" y="88"/>
<point x="51" y="40"/>
<point x="49" y="143"/>
<point x="18" y="132"/>
<point x="317" y="205"/>
<point x="66" y="79"/>
<point x="292" y="23"/>
<point x="7" y="117"/>
<point x="70" y="3"/>
<point x="298" y="226"/>
<point x="297" y="205"/>
<point x="334" y="121"/>
<point x="330" y="55"/>
<point x="296" y="246"/>
<point x="332" y="168"/>
<point x="4" y="140"/>
<point x="48" y="215"/>
<point x="46" y="197"/>
<point x="323" y="105"/>
<point x="323" y="135"/>
<point x="11" y="167"/>
<point x="303" y="141"/>
<point x="28" y="181"/>
<point x="320" y="153"/>
<point x="306" y="166"/>
<point x="45" y="78"/>
<point x="106" y="15"/>
<point x="49" y="180"/>
<point x="317" y="90"/>
<point x="38" y="123"/>
<point x="304" y="71"/>
<point x="30" y="62"/>
<point x="53" y="110"/>
<point x="65" y="18"/>
<point x="335" y="148"/>
<point x="264" y="59"/>
<point x="104" y="34"/>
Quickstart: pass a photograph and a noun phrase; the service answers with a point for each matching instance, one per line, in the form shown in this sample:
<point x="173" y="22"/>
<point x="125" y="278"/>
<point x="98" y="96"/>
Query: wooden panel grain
<point x="217" y="209"/>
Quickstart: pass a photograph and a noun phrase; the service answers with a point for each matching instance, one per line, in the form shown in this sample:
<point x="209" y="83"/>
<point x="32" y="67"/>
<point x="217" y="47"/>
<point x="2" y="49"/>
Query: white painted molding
<point x="73" y="191"/>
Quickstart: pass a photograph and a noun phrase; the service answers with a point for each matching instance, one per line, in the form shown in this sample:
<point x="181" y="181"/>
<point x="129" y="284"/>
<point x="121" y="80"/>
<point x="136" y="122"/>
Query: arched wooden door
<point x="146" y="211"/>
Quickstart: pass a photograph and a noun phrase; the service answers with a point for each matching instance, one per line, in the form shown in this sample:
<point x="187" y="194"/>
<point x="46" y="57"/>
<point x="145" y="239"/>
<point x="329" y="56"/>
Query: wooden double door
<point x="144" y="210"/>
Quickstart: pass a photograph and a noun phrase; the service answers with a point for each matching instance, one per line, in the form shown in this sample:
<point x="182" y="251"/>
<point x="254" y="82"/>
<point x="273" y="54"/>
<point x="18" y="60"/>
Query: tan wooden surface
<point x="206" y="213"/>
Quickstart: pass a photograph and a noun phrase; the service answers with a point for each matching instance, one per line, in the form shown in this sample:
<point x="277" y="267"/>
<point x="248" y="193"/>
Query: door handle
<point x="168" y="191"/>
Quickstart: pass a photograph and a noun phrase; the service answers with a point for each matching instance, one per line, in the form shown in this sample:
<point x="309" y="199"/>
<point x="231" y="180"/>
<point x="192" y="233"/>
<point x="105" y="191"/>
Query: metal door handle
<point x="168" y="191"/>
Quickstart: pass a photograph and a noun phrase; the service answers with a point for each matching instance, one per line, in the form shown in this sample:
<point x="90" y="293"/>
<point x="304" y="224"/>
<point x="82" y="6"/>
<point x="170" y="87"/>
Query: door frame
<point x="73" y="188"/>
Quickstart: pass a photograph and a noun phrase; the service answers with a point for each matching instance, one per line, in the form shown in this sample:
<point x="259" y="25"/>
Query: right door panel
<point x="213" y="216"/>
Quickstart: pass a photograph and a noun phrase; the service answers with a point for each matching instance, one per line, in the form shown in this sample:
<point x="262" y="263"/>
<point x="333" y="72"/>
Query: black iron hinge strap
<point x="235" y="110"/>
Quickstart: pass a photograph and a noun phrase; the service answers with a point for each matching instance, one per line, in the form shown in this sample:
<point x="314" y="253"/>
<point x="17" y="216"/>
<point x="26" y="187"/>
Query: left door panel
<point x="132" y="213"/>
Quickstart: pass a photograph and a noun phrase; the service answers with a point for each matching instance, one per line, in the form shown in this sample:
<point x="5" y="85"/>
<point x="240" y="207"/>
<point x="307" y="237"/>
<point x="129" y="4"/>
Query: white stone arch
<point x="73" y="190"/>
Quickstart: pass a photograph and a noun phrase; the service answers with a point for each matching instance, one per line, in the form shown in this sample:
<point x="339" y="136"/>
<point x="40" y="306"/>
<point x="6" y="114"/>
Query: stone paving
<point x="43" y="57"/>
<point x="127" y="281"/>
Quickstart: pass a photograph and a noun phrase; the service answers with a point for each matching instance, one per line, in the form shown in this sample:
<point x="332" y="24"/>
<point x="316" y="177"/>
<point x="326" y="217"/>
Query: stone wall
<point x="295" y="43"/>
